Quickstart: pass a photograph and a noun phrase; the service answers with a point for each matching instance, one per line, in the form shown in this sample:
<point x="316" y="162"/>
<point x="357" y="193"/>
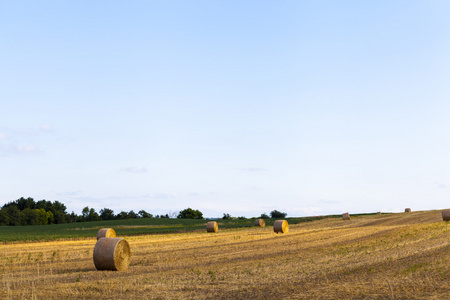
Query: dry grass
<point x="400" y="256"/>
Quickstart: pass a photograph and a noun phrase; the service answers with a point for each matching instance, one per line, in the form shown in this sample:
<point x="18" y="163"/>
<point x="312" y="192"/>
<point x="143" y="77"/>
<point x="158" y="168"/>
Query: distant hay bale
<point x="407" y="209"/>
<point x="281" y="226"/>
<point x="346" y="216"/>
<point x="106" y="232"/>
<point x="378" y="212"/>
<point x="260" y="222"/>
<point x="212" y="227"/>
<point x="446" y="215"/>
<point x="112" y="254"/>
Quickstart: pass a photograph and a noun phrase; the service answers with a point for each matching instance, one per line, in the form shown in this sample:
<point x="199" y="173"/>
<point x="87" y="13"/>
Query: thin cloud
<point x="443" y="185"/>
<point x="46" y="127"/>
<point x="27" y="149"/>
<point x="13" y="140"/>
<point x="134" y="169"/>
<point x="17" y="149"/>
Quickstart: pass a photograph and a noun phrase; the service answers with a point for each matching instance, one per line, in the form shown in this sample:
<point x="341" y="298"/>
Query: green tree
<point x="226" y="217"/>
<point x="59" y="217"/>
<point x="4" y="217"/>
<point x="93" y="215"/>
<point x="50" y="217"/>
<point x="107" y="214"/>
<point x="132" y="215"/>
<point x="85" y="213"/>
<point x="275" y="214"/>
<point x="42" y="216"/>
<point x="89" y="214"/>
<point x="23" y="203"/>
<point x="144" y="214"/>
<point x="44" y="204"/>
<point x="58" y="210"/>
<point x="31" y="216"/>
<point x="58" y="206"/>
<point x="72" y="217"/>
<point x="264" y="216"/>
<point x="122" y="215"/>
<point x="15" y="216"/>
<point x="189" y="213"/>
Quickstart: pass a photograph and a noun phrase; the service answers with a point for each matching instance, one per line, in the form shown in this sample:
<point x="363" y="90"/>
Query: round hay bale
<point x="346" y="216"/>
<point x="112" y="254"/>
<point x="212" y="227"/>
<point x="407" y="209"/>
<point x="378" y="212"/>
<point x="260" y="222"/>
<point x="281" y="226"/>
<point x="106" y="232"/>
<point x="446" y="215"/>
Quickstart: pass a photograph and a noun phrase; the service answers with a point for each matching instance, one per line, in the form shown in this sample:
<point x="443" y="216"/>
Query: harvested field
<point x="395" y="256"/>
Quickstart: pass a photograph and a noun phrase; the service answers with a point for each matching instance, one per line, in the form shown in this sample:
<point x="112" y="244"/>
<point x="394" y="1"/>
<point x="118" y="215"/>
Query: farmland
<point x="394" y="256"/>
<point x="122" y="227"/>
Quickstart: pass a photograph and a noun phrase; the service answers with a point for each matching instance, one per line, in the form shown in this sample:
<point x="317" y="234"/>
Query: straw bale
<point x="346" y="216"/>
<point x="112" y="254"/>
<point x="212" y="227"/>
<point x="281" y="226"/>
<point x="260" y="222"/>
<point x="378" y="212"/>
<point x="106" y="232"/>
<point x="407" y="209"/>
<point x="446" y="215"/>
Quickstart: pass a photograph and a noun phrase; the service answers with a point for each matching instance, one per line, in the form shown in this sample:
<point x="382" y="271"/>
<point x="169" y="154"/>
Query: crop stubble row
<point x="349" y="259"/>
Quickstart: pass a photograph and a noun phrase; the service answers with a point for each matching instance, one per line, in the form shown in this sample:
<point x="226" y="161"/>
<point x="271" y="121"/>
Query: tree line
<point x="27" y="211"/>
<point x="274" y="214"/>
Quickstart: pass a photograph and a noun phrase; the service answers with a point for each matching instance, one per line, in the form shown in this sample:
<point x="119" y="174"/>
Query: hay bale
<point x="106" y="232"/>
<point x="112" y="254"/>
<point x="446" y="215"/>
<point x="281" y="226"/>
<point x="260" y="222"/>
<point x="407" y="209"/>
<point x="378" y="212"/>
<point x="346" y="216"/>
<point x="212" y="227"/>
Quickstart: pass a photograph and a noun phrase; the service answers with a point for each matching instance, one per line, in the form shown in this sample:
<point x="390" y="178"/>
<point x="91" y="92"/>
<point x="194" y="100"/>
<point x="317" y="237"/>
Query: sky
<point x="239" y="107"/>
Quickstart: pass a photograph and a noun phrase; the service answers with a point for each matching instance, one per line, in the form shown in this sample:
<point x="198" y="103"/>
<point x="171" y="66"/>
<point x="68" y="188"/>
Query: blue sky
<point x="240" y="107"/>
